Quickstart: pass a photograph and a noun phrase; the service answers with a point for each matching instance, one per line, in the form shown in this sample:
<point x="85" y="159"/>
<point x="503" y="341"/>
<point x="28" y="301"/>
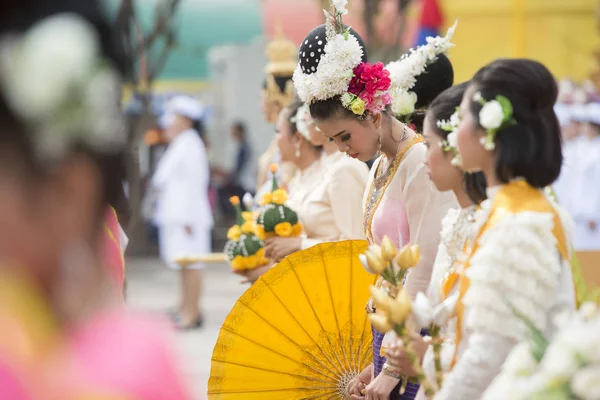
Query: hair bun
<point x="438" y="77"/>
<point x="313" y="47"/>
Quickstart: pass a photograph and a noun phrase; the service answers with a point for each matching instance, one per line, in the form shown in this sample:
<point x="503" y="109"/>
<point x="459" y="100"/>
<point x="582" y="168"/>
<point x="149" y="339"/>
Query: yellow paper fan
<point x="300" y="332"/>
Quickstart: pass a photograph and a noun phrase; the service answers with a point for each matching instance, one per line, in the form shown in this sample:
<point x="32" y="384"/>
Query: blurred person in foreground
<point x="183" y="214"/>
<point x="63" y="334"/>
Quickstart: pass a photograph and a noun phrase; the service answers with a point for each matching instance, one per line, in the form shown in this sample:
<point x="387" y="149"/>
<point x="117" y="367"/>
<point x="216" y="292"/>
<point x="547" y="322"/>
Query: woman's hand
<point x="359" y="383"/>
<point x="277" y="248"/>
<point x="398" y="359"/>
<point x="381" y="387"/>
<point x="253" y="274"/>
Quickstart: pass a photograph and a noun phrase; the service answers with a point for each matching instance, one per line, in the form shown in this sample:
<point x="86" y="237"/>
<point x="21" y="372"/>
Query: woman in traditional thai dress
<point x="60" y="125"/>
<point x="331" y="209"/>
<point x="443" y="165"/>
<point x="519" y="254"/>
<point x="349" y="101"/>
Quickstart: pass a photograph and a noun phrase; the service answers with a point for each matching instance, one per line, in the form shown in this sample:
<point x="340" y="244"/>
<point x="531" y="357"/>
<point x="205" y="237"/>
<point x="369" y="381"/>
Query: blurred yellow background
<point x="562" y="34"/>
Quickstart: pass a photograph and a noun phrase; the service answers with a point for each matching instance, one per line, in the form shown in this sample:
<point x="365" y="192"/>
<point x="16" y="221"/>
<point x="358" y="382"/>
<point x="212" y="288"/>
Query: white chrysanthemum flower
<point x="403" y="102"/>
<point x="452" y="140"/>
<point x="455" y="119"/>
<point x="559" y="362"/>
<point x="347" y="99"/>
<point x="491" y="115"/>
<point x="46" y="63"/>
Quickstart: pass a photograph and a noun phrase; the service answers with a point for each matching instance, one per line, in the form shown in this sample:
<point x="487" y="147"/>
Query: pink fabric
<point x="111" y="249"/>
<point x="11" y="386"/>
<point x="127" y="354"/>
<point x="391" y="219"/>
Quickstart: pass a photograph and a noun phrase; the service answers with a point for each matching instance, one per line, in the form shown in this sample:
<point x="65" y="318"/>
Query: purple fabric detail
<point x="378" y="361"/>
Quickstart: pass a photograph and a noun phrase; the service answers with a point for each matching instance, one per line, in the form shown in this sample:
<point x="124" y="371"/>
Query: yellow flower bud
<point x="380" y="299"/>
<point x="283" y="229"/>
<point x="266" y="199"/>
<point x="388" y="249"/>
<point x="234" y="200"/>
<point x="248" y="216"/>
<point x="380" y="322"/>
<point x="400" y="308"/>
<point x="248" y="227"/>
<point x="234" y="233"/>
<point x="375" y="261"/>
<point x="252" y="262"/>
<point x="357" y="106"/>
<point x="238" y="263"/>
<point x="273" y="168"/>
<point x="408" y="257"/>
<point x="297" y="229"/>
<point x="279" y="196"/>
<point x="260" y="232"/>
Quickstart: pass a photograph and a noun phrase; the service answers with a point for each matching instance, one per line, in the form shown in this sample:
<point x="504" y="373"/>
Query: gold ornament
<point x="283" y="58"/>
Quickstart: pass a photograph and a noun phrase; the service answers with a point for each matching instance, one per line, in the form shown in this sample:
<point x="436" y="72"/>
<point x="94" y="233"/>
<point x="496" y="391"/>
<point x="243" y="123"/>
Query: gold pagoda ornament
<point x="283" y="58"/>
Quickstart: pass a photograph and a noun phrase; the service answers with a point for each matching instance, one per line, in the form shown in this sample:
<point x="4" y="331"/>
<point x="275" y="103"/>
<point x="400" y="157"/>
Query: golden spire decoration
<point x="282" y="54"/>
<point x="283" y="58"/>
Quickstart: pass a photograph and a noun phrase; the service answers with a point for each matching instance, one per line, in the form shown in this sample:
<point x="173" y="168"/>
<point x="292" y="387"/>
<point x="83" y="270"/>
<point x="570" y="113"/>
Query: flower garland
<point x="405" y="71"/>
<point x="362" y="87"/>
<point x="54" y="78"/>
<point x="303" y="120"/>
<point x="450" y="144"/>
<point x="494" y="116"/>
<point x="275" y="218"/>
<point x="244" y="249"/>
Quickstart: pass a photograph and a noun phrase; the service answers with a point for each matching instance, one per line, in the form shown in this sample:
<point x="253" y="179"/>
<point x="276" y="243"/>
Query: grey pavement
<point x="152" y="287"/>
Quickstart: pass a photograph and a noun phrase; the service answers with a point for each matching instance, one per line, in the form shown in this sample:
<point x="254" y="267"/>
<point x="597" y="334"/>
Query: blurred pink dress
<point x="113" y="356"/>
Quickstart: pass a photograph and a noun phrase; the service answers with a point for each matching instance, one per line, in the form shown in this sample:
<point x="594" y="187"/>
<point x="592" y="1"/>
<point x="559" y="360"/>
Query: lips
<point x="353" y="155"/>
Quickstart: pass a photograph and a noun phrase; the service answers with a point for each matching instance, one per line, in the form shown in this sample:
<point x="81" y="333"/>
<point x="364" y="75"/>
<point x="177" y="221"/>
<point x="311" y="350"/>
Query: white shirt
<point x="181" y="180"/>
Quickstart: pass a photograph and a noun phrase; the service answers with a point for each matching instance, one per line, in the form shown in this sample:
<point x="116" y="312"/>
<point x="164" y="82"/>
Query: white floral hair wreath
<point x="53" y="78"/>
<point x="450" y="144"/>
<point x="302" y="120"/>
<point x="341" y="72"/>
<point x="405" y="71"/>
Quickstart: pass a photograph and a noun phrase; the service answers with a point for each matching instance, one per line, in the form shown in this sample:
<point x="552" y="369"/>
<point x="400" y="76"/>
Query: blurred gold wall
<point x="562" y="34"/>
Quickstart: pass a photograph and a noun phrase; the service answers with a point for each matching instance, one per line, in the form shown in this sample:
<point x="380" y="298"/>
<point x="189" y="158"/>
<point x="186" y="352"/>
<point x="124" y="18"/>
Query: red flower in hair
<point x="371" y="83"/>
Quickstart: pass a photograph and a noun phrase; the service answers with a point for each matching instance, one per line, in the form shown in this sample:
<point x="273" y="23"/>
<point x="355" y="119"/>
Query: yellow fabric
<point x="300" y="331"/>
<point x="512" y="198"/>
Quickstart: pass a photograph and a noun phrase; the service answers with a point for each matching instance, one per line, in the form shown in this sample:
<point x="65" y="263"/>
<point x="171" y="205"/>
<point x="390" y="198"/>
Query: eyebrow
<point x="339" y="133"/>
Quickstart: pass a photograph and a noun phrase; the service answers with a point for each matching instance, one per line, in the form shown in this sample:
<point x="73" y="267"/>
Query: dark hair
<point x="281" y="82"/>
<point x="532" y="147"/>
<point x="437" y="77"/>
<point x="240" y="127"/>
<point x="442" y="108"/>
<point x="16" y="141"/>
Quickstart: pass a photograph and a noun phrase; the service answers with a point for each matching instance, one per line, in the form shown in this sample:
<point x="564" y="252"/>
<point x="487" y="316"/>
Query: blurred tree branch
<point x="147" y="51"/>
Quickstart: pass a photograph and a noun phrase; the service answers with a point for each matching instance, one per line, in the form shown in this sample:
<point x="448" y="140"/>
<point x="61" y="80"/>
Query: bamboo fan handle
<point x="185" y="262"/>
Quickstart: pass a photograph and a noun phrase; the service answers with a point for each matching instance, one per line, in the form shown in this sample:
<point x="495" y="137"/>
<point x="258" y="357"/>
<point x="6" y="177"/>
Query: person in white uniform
<point x="585" y="193"/>
<point x="184" y="216"/>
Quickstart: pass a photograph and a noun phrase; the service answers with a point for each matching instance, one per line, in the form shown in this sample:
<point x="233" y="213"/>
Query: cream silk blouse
<point x="331" y="206"/>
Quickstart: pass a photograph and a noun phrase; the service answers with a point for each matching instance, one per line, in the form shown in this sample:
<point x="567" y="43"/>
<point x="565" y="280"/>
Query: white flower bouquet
<point x="564" y="368"/>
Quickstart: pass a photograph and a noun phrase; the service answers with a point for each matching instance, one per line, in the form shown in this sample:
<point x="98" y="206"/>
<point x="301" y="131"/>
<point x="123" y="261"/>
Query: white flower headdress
<point x="52" y="76"/>
<point x="494" y="116"/>
<point x="450" y="144"/>
<point x="303" y="120"/>
<point x="405" y="71"/>
<point x="341" y="71"/>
